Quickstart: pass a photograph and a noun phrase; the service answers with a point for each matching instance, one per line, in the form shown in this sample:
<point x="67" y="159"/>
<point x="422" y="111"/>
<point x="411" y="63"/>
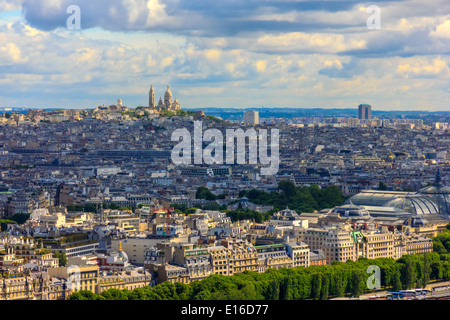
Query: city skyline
<point x="279" y="54"/>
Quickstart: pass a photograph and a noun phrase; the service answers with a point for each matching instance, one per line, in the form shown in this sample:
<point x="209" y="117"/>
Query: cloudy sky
<point x="226" y="53"/>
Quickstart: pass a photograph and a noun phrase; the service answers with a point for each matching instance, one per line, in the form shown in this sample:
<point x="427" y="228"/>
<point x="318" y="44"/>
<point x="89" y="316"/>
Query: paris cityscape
<point x="240" y="159"/>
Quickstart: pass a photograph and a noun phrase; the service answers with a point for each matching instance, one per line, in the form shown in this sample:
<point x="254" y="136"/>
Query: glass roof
<point x="433" y="199"/>
<point x="439" y="194"/>
<point x="414" y="204"/>
<point x="376" y="197"/>
<point x="435" y="190"/>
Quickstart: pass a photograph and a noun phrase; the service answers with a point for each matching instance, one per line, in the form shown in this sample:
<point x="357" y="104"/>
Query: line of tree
<point x="18" y="218"/>
<point x="61" y="255"/>
<point x="311" y="283"/>
<point x="247" y="214"/>
<point x="4" y="223"/>
<point x="205" y="193"/>
<point x="441" y="243"/>
<point x="300" y="199"/>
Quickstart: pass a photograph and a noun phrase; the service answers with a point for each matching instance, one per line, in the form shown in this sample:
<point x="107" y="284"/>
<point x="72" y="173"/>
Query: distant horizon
<point x="353" y="109"/>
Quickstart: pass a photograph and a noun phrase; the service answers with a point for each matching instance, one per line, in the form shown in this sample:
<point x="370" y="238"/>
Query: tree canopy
<point x="300" y="199"/>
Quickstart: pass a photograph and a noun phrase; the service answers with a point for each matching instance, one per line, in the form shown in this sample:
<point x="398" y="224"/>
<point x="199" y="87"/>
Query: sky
<point x="391" y="54"/>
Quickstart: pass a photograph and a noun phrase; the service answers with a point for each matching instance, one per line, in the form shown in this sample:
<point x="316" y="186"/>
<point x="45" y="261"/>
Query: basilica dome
<point x="168" y="94"/>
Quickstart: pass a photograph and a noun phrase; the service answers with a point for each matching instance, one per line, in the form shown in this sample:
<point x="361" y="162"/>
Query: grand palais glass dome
<point x="433" y="199"/>
<point x="438" y="194"/>
<point x="415" y="204"/>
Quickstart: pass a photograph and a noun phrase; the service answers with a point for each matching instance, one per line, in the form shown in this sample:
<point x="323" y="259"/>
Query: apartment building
<point x="16" y="289"/>
<point x="220" y="260"/>
<point x="317" y="258"/>
<point x="29" y="251"/>
<point x="339" y="245"/>
<point x="418" y="245"/>
<point x="342" y="243"/>
<point x="243" y="255"/>
<point x="399" y="245"/>
<point x="195" y="259"/>
<point x="273" y="256"/>
<point x="313" y="237"/>
<point x="378" y="244"/>
<point x="299" y="252"/>
<point x="170" y="272"/>
<point x="77" y="277"/>
<point x="130" y="280"/>
<point x="9" y="262"/>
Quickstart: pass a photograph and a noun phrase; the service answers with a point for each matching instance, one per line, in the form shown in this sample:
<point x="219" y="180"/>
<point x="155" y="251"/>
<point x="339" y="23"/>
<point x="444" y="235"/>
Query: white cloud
<point x="422" y="67"/>
<point x="157" y="14"/>
<point x="10" y="53"/>
<point x="307" y="42"/>
<point x="213" y="54"/>
<point x="442" y="30"/>
<point x="261" y="65"/>
<point x="9" y="5"/>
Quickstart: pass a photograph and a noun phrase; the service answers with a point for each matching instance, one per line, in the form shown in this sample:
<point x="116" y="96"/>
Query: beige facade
<point x="135" y="248"/>
<point x="28" y="250"/>
<point x="339" y="246"/>
<point x="343" y="243"/>
<point x="78" y="277"/>
<point x="399" y="246"/>
<point x="9" y="263"/>
<point x="192" y="263"/>
<point x="273" y="257"/>
<point x="378" y="244"/>
<point x="171" y="273"/>
<point x="220" y="260"/>
<point x="431" y="229"/>
<point x="418" y="245"/>
<point x="35" y="287"/>
<point x="16" y="289"/>
<point x="243" y="256"/>
<point x="313" y="237"/>
<point x="299" y="253"/>
<point x="129" y="280"/>
<point x="195" y="259"/>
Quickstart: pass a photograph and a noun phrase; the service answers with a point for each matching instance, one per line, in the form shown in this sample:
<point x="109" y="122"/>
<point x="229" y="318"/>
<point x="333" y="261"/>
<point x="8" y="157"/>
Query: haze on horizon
<point x="226" y="53"/>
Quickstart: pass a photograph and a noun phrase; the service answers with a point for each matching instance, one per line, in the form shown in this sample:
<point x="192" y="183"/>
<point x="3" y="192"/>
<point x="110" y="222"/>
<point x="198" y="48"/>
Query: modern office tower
<point x="364" y="112"/>
<point x="251" y="117"/>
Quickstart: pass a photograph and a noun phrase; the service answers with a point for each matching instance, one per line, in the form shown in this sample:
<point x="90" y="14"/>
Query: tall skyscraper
<point x="251" y="117"/>
<point x="364" y="112"/>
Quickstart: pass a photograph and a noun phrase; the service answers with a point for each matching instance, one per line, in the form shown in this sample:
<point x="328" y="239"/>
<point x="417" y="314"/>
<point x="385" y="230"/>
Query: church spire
<point x="151" y="97"/>
<point x="437" y="180"/>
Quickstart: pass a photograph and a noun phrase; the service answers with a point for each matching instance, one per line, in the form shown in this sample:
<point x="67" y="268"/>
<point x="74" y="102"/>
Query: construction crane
<point x="167" y="224"/>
